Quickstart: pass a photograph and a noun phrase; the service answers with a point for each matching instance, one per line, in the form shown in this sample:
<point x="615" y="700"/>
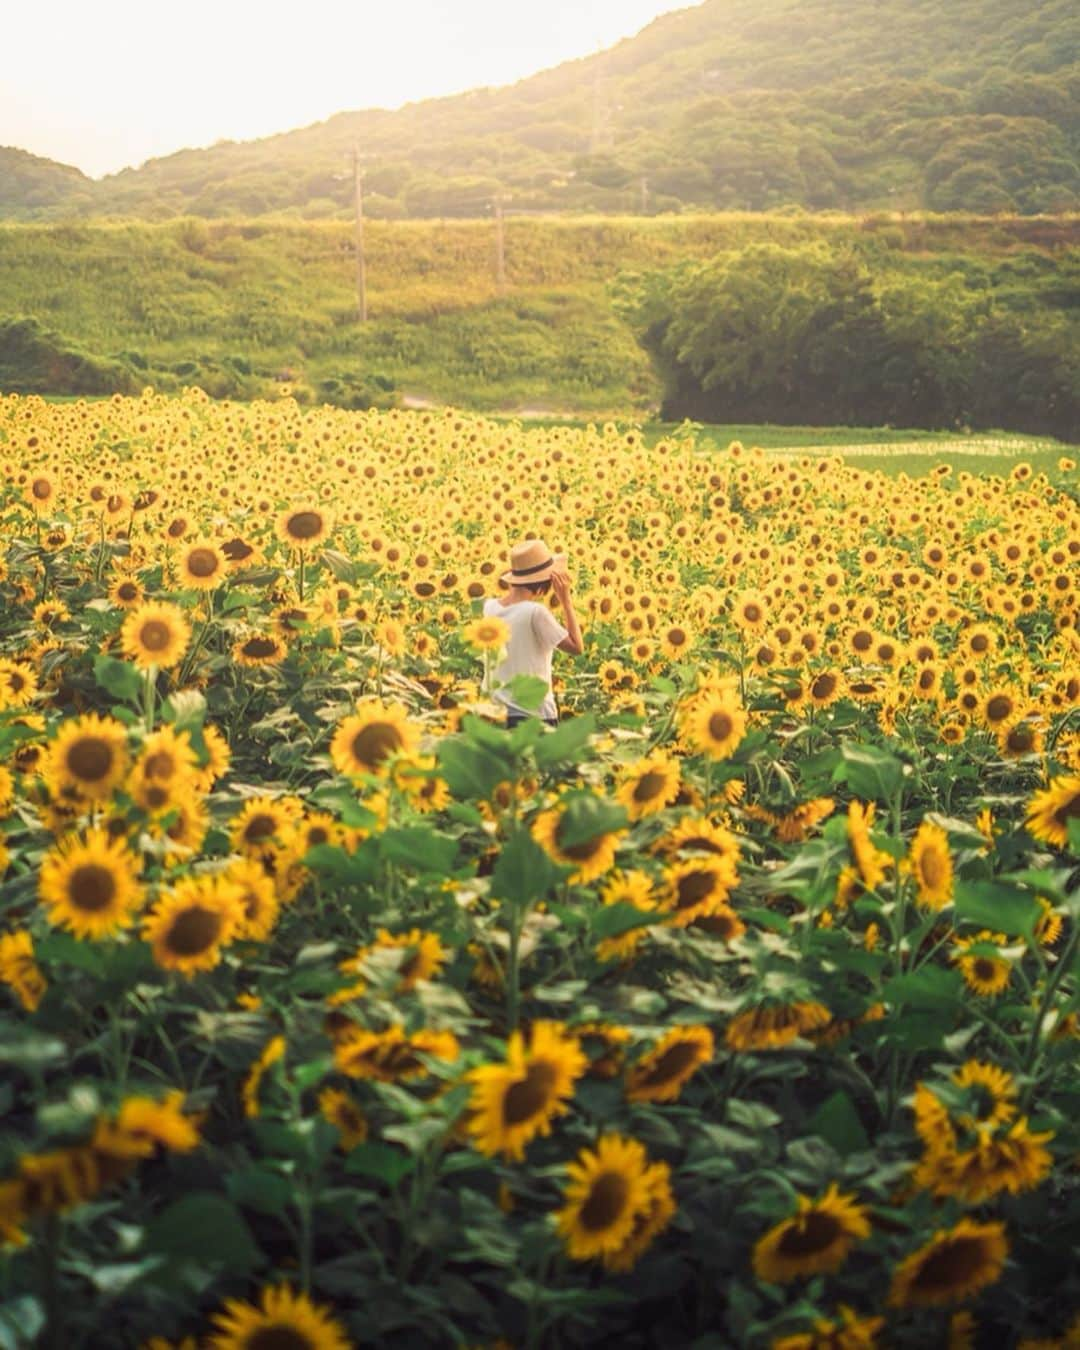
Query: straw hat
<point x="532" y="561"/>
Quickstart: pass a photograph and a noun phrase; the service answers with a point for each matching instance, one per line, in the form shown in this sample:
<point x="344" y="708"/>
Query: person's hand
<point x="560" y="584"/>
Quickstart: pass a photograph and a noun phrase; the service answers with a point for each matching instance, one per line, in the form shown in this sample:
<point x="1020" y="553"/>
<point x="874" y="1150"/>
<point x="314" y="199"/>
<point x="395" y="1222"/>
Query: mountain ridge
<point x="731" y="104"/>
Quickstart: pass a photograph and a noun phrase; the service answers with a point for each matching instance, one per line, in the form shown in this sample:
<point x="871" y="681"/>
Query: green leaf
<point x="119" y="678"/>
<point x="930" y="987"/>
<point x="566" y="742"/>
<point x="585" y="816"/>
<point x="837" y="1122"/>
<point x="527" y="691"/>
<point x="995" y="905"/>
<point x="342" y="566"/>
<point x="523" y="871"/>
<point x="22" y="1320"/>
<point x="1073" y="828"/>
<point x="354" y="868"/>
<point x="472" y="770"/>
<point x="379" y="1161"/>
<point x="24" y="1048"/>
<point x="203" y="1229"/>
<point x="613" y="920"/>
<point x="186" y="709"/>
<point x="424" y="850"/>
<point x="63" y="949"/>
<point x="872" y="774"/>
<point x="260" y="1189"/>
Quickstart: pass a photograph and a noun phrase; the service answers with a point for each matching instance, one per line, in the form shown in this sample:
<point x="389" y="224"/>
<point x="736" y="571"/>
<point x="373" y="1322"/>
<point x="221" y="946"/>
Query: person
<point x="534" y="630"/>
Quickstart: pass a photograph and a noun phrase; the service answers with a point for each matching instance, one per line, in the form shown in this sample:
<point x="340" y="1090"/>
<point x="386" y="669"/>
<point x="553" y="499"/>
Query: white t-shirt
<point x="534" y="634"/>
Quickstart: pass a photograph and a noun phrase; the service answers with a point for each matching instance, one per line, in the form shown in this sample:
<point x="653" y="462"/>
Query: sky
<point x="106" y="84"/>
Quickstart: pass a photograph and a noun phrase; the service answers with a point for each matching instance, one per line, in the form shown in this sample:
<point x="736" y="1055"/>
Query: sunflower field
<point x="741" y="1009"/>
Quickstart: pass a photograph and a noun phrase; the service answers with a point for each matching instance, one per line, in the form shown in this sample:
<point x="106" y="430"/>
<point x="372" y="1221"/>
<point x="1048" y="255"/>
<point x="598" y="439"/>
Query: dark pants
<point x="514" y="719"/>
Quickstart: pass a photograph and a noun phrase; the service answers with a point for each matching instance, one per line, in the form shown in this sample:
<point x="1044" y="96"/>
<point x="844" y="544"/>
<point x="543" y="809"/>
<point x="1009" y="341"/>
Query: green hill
<point x="738" y="104"/>
<point x="593" y="317"/>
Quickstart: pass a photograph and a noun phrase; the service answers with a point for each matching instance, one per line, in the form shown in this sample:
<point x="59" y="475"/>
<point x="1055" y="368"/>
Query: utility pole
<point x="500" y="248"/>
<point x="358" y="196"/>
<point x="644" y="195"/>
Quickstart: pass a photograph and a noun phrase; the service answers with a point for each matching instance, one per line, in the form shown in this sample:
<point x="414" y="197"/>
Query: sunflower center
<point x="952" y="1265"/>
<point x="932" y="868"/>
<point x="259" y="647"/>
<point x="694" y="888"/>
<point x="41" y="488"/>
<point x="531" y="1094"/>
<point x="92" y="887"/>
<point x="607" y="1200"/>
<point x="304" y="525"/>
<point x="127" y="590"/>
<point x="237" y="550"/>
<point x="194" y="931"/>
<point x="823" y="686"/>
<point x="277" y="1336"/>
<point x="377" y="740"/>
<point x="673" y="1062"/>
<point x="985" y="969"/>
<point x="90" y="758"/>
<point x="814" y="1232"/>
<point x="160" y="764"/>
<point x="260" y="826"/>
<point x="154" y="635"/>
<point x="649" y="785"/>
<point x="582" y="852"/>
<point x="720" y="726"/>
<point x="999" y="707"/>
<point x="1069" y="810"/>
<point x="980" y="643"/>
<point x="203" y="562"/>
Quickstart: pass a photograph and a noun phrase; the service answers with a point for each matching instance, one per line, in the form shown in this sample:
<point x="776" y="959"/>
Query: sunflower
<point x="363" y="742"/>
<point x="40" y="492"/>
<point x="1051" y="809"/>
<point x="652" y="1219"/>
<point x="202" y="565"/>
<point x="816" y="1240"/>
<point x="931" y="865"/>
<point x="955" y="1264"/>
<point x="155" y="635"/>
<point x="851" y="1332"/>
<point x="391" y="1056"/>
<point x="281" y="1321"/>
<point x="422" y="956"/>
<point x="90" y="884"/>
<point x="989" y="1091"/>
<point x="261" y="649"/>
<point x="258" y="898"/>
<point x="89" y="755"/>
<point x="1014" y="1160"/>
<point x="750" y="613"/>
<point x="419" y="779"/>
<point x="825" y="688"/>
<point x="513" y="1102"/>
<point x="714" y="725"/>
<point x="626" y="888"/>
<point x="261" y="821"/>
<point x="659" y="1075"/>
<point x="605" y="1044"/>
<point x="218" y="757"/>
<point x="1019" y="739"/>
<point x="676" y="640"/>
<point x="303" y="526"/>
<point x="167" y="756"/>
<point x="697" y="886"/>
<point x="649" y="785"/>
<point x="18" y="683"/>
<point x="604" y="1193"/>
<point x="272" y="1053"/>
<point x="345" y="1115"/>
<point x="997" y="707"/>
<point x="20" y="972"/>
<point x="985" y="975"/>
<point x="698" y="835"/>
<point x="590" y="857"/>
<point x="770" y="1027"/>
<point x="150" y="1124"/>
<point x="487" y="634"/>
<point x="188" y="928"/>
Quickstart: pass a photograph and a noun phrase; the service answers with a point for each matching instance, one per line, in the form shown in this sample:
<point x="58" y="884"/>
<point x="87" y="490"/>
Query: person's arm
<point x="573" y="643"/>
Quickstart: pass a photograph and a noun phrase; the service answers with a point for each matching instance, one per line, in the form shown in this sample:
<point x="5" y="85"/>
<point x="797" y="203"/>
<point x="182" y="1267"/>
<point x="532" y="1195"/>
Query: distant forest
<point x="756" y="105"/>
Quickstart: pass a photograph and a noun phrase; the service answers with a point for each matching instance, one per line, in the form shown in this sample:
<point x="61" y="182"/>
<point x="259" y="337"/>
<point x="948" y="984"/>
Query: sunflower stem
<point x="301" y="581"/>
<point x="513" y="975"/>
<point x="54" y="1337"/>
<point x="149" y="693"/>
<point x="1063" y="966"/>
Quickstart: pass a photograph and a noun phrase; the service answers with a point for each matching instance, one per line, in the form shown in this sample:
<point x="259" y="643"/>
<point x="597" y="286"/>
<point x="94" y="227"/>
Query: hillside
<point x="242" y="307"/>
<point x="738" y="104"/>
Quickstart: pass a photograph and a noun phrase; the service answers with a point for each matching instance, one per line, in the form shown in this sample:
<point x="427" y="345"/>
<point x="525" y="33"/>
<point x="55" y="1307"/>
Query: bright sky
<point x="103" y="84"/>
